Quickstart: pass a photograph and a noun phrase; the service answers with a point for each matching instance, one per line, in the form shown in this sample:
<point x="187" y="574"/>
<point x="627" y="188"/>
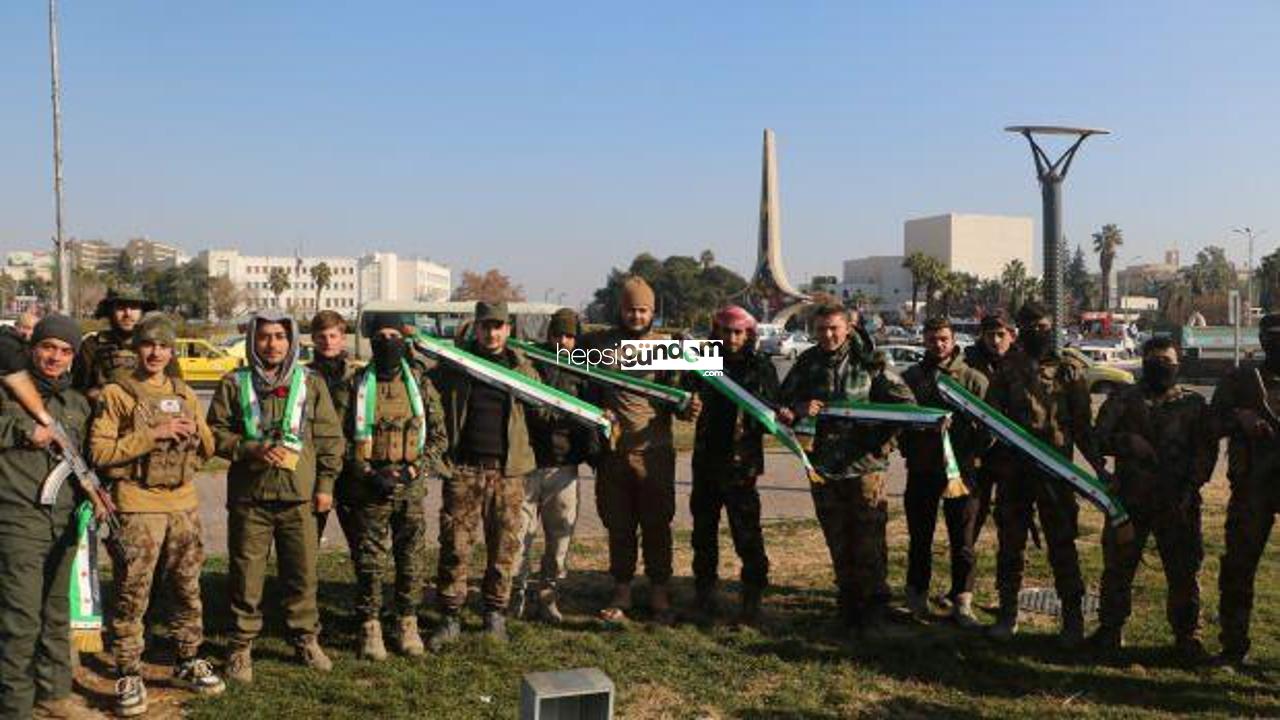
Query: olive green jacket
<point x="250" y="480"/>
<point x="23" y="468"/>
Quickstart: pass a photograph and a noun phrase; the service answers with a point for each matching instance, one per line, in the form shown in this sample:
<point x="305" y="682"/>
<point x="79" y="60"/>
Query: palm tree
<point x="1105" y="243"/>
<point x="933" y="275"/>
<point x="915" y="264"/>
<point x="321" y="274"/>
<point x="1014" y="279"/>
<point x="278" y="282"/>
<point x="707" y="259"/>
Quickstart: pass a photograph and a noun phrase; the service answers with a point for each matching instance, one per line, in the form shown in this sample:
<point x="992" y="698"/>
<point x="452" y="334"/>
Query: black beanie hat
<point x="58" y="327"/>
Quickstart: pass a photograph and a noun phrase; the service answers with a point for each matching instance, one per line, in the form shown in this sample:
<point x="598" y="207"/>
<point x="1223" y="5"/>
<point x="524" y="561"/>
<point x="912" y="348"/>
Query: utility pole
<point x="1250" y="234"/>
<point x="59" y="241"/>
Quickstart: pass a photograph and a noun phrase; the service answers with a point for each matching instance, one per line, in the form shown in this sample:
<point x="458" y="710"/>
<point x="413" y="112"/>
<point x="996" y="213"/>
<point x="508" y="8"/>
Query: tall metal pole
<point x="1250" y="235"/>
<point x="1051" y="174"/>
<point x="59" y="240"/>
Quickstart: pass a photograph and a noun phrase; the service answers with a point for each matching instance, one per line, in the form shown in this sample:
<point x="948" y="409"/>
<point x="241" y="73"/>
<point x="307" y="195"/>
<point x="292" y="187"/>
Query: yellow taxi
<point x="202" y="362"/>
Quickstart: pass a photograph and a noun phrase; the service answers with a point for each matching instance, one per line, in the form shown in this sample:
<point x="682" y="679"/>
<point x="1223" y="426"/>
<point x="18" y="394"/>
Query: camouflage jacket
<point x="107" y="356"/>
<point x="1240" y="390"/>
<point x="1050" y="398"/>
<point x="843" y="449"/>
<point x="725" y="434"/>
<point x="923" y="448"/>
<point x="1177" y="425"/>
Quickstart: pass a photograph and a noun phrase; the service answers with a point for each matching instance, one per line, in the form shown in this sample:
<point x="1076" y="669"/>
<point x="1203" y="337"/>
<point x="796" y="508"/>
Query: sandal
<point x="613" y="615"/>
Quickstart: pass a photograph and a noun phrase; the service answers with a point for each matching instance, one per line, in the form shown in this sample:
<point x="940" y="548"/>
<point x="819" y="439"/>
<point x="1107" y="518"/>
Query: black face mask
<point x="387" y="354"/>
<point x="1036" y="341"/>
<point x="1271" y="346"/>
<point x="1157" y="375"/>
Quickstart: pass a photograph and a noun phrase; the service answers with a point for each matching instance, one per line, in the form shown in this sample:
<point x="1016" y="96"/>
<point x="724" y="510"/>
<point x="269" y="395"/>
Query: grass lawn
<point x="798" y="664"/>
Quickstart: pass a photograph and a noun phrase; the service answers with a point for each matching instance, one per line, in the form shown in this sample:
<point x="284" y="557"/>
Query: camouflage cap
<point x="493" y="311"/>
<point x="123" y="296"/>
<point x="157" y="328"/>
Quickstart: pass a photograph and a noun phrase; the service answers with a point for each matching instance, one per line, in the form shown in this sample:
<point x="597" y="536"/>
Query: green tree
<point x="1267" y="278"/>
<point x="686" y="291"/>
<point x="1013" y="280"/>
<point x="1105" y="243"/>
<point x="933" y="274"/>
<point x="1077" y="280"/>
<point x="1211" y="273"/>
<point x="278" y="282"/>
<point x="224" y="297"/>
<point x="915" y="263"/>
<point x="321" y="275"/>
<point x="707" y="259"/>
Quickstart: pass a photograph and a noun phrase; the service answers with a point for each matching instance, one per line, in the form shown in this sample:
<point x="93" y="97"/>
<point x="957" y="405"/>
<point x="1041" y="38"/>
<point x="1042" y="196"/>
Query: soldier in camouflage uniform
<point x="331" y="363"/>
<point x="149" y="437"/>
<point x="394" y="427"/>
<point x="560" y="445"/>
<point x="1046" y="393"/>
<point x="1244" y="408"/>
<point x="728" y="457"/>
<point x="487" y="459"/>
<point x="927" y="478"/>
<point x="1162" y="438"/>
<point x="276" y="424"/>
<point x="108" y="355"/>
<point x="851" y="504"/>
<point x="37" y="542"/>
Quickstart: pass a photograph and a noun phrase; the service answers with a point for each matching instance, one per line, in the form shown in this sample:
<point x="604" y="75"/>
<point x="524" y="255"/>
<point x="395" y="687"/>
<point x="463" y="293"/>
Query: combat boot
<point x="706" y="603"/>
<point x="240" y="664"/>
<point x="408" y="639"/>
<point x="1005" y="626"/>
<point x="371" y="645"/>
<point x="1191" y="650"/>
<point x="308" y="652"/>
<point x="1071" y="636"/>
<point x="495" y="626"/>
<point x="548" y="607"/>
<point x="1106" y="640"/>
<point x="917" y="603"/>
<point x="962" y="611"/>
<point x="750" y="613"/>
<point x="131" y="696"/>
<point x="449" y="632"/>
<point x="875" y="627"/>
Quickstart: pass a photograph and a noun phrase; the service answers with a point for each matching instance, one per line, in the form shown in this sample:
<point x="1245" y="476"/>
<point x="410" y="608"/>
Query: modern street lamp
<point x="1250" y="234"/>
<point x="1051" y="175"/>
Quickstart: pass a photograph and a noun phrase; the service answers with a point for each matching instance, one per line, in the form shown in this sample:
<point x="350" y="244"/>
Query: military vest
<point x="112" y="361"/>
<point x="173" y="462"/>
<point x="397" y="431"/>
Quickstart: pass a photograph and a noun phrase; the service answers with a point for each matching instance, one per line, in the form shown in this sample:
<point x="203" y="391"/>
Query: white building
<point x="352" y="281"/>
<point x="980" y="245"/>
<point x="37" y="263"/>
<point x="880" y="278"/>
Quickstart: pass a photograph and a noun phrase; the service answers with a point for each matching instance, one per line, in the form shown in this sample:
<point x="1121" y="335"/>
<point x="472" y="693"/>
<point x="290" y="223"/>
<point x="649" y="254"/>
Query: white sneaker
<point x="131" y="696"/>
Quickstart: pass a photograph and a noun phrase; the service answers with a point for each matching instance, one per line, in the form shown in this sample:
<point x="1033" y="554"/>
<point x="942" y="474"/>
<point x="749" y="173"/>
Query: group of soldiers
<point x="364" y="441"/>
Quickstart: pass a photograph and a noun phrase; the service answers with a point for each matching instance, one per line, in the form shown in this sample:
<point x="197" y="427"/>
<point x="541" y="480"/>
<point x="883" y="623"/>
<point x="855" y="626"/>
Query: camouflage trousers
<point x="479" y="499"/>
<point x="717" y="488"/>
<point x="1019" y="497"/>
<point x="550" y="501"/>
<point x="392" y="529"/>
<point x="1251" y="513"/>
<point x="853" y="513"/>
<point x="636" y="501"/>
<point x="1181" y="547"/>
<point x="169" y="542"/>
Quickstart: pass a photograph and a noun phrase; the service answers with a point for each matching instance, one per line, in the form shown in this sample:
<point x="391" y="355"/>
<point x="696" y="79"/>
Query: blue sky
<point x="554" y="141"/>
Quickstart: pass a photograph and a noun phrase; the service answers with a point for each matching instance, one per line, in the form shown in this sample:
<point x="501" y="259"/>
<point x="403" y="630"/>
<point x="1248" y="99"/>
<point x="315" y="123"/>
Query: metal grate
<point x="1044" y="601"/>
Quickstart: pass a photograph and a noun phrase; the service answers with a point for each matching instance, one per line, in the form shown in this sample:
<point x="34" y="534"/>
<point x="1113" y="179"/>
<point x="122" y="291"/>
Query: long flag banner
<point x="1040" y="452"/>
<point x="519" y="385"/>
<point x="766" y="416"/>
<point x="901" y="414"/>
<point x="655" y="391"/>
<point x="84" y="594"/>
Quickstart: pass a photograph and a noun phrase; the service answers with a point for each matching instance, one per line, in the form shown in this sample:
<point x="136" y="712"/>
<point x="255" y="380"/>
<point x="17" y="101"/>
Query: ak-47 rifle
<point x="23" y="388"/>
<point x="1268" y="412"/>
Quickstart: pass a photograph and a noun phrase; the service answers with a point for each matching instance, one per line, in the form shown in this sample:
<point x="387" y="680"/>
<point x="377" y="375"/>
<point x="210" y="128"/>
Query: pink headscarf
<point x="733" y="317"/>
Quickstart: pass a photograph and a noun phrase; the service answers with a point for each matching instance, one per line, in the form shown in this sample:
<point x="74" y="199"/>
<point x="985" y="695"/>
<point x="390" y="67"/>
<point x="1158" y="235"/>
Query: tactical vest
<point x="112" y="362"/>
<point x="172" y="463"/>
<point x="395" y="428"/>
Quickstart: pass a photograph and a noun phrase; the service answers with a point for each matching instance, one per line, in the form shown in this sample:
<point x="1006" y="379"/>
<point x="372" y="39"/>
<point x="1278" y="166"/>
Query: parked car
<point x="1102" y="378"/>
<point x="787" y="345"/>
<point x="900" y="357"/>
<point x="202" y="362"/>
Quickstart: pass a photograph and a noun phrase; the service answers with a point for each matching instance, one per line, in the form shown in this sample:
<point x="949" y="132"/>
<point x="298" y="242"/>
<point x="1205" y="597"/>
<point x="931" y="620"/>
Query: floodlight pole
<point x="59" y="241"/>
<point x="1051" y="175"/>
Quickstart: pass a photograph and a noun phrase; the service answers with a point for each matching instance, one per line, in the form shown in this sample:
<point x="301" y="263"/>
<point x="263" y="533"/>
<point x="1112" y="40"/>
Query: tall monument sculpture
<point x="769" y="293"/>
